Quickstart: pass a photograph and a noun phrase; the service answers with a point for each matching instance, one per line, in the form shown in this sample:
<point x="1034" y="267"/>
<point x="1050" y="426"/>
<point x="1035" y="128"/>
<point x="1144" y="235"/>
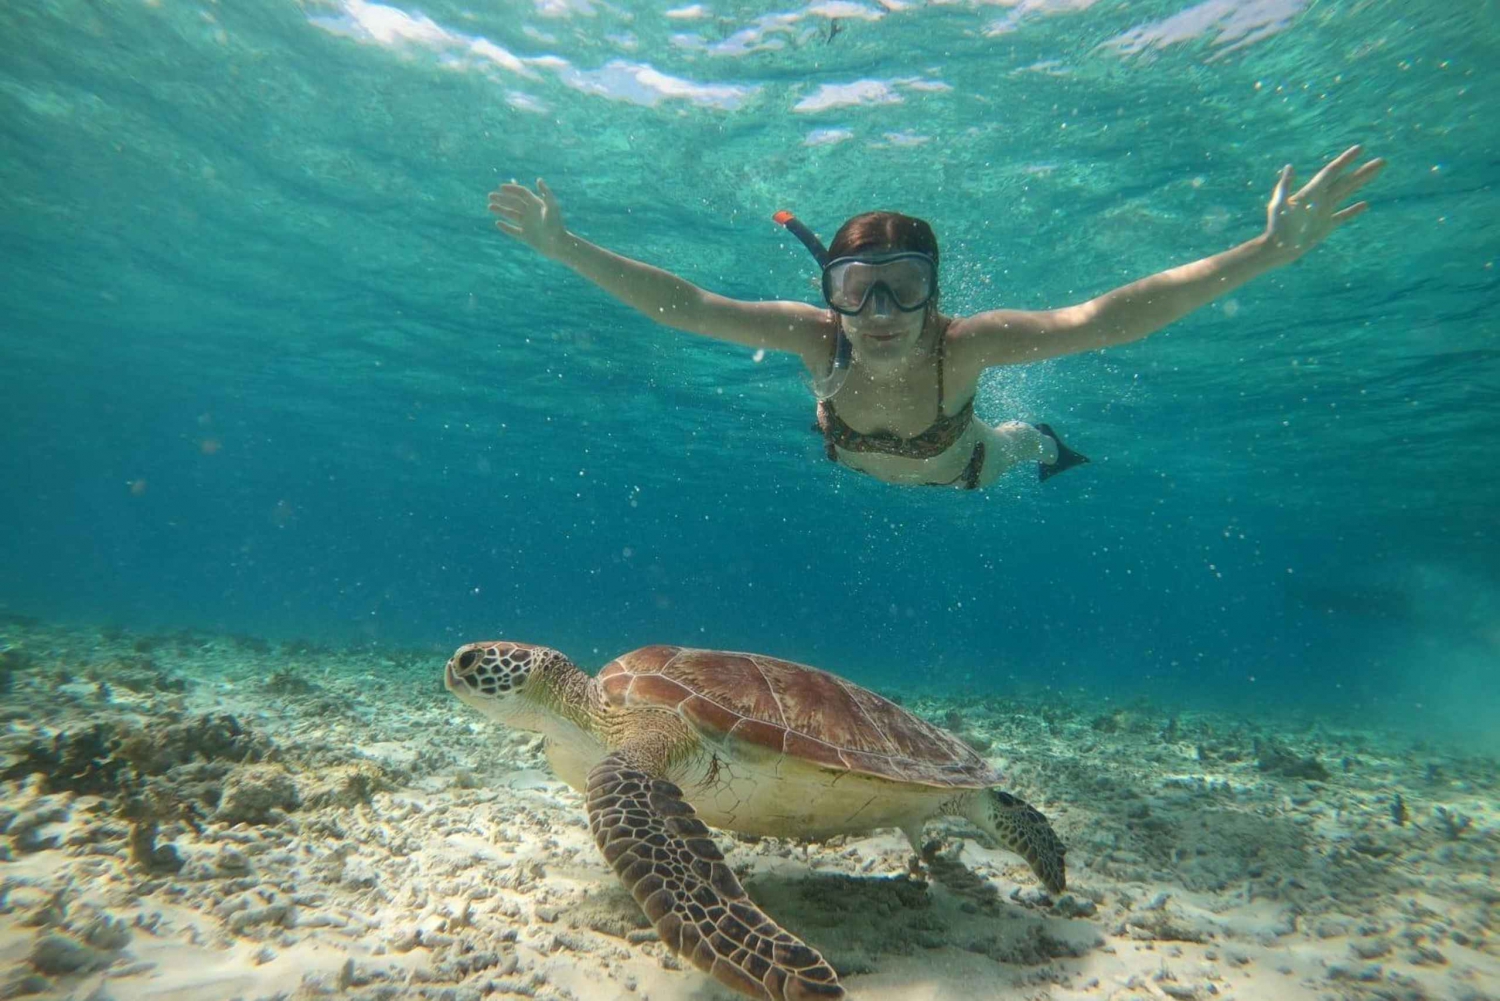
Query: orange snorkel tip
<point x="808" y="237"/>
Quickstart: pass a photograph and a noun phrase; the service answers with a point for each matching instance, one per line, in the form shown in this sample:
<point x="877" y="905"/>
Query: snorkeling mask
<point x="907" y="280"/>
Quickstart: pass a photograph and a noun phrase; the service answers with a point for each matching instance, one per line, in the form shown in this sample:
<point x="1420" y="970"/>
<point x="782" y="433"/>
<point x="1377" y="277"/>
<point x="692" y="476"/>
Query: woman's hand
<point x="534" y="220"/>
<point x="1297" y="223"/>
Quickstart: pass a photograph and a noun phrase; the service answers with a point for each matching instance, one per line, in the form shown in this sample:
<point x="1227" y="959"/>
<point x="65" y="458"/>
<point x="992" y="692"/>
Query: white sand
<point x="394" y="845"/>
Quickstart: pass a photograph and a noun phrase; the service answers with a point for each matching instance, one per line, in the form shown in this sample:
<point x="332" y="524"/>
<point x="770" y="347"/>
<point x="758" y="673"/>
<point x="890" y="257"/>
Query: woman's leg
<point x="1011" y="443"/>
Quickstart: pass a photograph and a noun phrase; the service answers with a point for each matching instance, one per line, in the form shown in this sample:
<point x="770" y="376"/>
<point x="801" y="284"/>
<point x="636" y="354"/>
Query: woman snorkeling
<point x="896" y="378"/>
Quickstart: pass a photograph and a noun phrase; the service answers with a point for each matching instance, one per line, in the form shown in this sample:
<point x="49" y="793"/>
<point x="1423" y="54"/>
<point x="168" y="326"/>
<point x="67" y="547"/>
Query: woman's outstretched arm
<point x="1295" y="224"/>
<point x="535" y="219"/>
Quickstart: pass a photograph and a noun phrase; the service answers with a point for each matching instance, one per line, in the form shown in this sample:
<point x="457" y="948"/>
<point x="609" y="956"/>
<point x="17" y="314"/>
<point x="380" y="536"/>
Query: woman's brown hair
<point x="885" y="230"/>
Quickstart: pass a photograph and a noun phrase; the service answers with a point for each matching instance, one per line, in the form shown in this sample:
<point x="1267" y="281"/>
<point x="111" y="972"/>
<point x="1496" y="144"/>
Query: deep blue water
<point x="269" y="369"/>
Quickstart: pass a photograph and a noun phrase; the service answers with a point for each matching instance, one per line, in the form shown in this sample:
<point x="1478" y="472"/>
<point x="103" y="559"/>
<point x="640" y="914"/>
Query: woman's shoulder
<point x="991" y="321"/>
<point x="971" y="341"/>
<point x="983" y="330"/>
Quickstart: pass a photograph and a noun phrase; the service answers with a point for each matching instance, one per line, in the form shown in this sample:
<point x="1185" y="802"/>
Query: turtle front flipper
<point x="664" y="856"/>
<point x="1021" y="828"/>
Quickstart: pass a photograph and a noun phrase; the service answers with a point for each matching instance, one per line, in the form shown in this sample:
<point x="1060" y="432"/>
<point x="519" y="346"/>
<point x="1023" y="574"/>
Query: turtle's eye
<point x="466" y="662"/>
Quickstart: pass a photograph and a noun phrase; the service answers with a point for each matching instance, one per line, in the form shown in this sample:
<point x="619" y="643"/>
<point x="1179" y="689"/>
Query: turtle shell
<point x="791" y="709"/>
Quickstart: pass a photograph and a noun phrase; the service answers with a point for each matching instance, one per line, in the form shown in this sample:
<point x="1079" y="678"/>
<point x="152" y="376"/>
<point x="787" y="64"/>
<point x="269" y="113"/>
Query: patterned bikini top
<point x="942" y="434"/>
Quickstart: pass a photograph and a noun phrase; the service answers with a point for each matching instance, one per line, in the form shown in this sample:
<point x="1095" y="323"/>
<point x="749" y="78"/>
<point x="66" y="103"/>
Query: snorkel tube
<point x="825" y="386"/>
<point x="809" y="239"/>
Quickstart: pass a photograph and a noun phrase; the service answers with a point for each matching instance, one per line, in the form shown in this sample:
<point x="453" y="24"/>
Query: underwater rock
<point x="105" y="758"/>
<point x="1370" y="948"/>
<point x="1136" y="719"/>
<point x="23" y="983"/>
<point x="1033" y="946"/>
<point x="253" y="792"/>
<point x="978" y="741"/>
<point x="55" y="954"/>
<point x="232" y="861"/>
<point x="1271" y="758"/>
<point x="219" y="737"/>
<point x="79" y="761"/>
<point x="612" y="914"/>
<point x="106" y="934"/>
<point x="146" y="853"/>
<point x="1070" y="906"/>
<point x="304" y="648"/>
<point x="287" y="681"/>
<point x="250" y="644"/>
<point x="1160" y="924"/>
<point x="1399" y="813"/>
<point x="1454" y="824"/>
<point x="138" y="674"/>
<point x="13" y="660"/>
<point x="25" y="828"/>
<point x="347" y="786"/>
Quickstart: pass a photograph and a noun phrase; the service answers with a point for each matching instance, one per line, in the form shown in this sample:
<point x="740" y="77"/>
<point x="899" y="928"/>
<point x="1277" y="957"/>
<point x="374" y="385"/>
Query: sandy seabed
<point x="189" y="817"/>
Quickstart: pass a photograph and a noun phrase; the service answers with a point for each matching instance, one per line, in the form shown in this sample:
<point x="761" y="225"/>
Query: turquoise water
<point x="269" y="369"/>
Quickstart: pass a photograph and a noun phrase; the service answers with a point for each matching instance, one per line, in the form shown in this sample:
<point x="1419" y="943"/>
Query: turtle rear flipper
<point x="662" y="853"/>
<point x="1021" y="828"/>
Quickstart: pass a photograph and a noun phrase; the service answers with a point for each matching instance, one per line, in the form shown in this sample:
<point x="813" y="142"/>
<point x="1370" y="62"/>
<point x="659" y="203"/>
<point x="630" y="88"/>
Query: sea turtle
<point x="667" y="738"/>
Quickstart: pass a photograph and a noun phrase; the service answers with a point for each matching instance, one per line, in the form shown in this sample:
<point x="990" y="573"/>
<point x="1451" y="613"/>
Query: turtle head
<point x="505" y="680"/>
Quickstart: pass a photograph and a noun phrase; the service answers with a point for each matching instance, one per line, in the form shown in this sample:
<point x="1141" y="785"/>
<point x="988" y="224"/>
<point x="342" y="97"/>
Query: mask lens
<point x="908" y="283"/>
<point x="909" y="279"/>
<point x="853" y="286"/>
